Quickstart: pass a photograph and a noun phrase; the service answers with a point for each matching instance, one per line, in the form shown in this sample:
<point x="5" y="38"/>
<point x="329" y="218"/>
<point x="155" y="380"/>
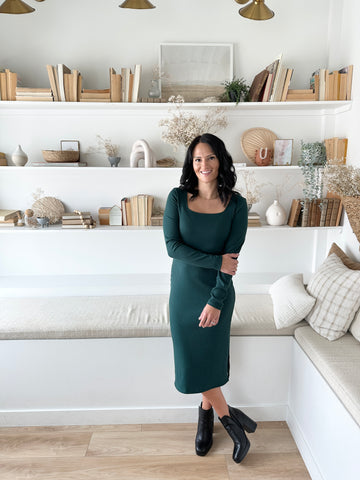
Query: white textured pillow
<point x="290" y="300"/>
<point x="355" y="327"/>
<point x="337" y="292"/>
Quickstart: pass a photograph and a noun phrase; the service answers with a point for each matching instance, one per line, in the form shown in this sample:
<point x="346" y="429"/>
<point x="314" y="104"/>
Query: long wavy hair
<point x="226" y="177"/>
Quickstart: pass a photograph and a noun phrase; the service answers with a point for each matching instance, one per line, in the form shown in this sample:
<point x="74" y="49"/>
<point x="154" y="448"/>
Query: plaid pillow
<point x="337" y="292"/>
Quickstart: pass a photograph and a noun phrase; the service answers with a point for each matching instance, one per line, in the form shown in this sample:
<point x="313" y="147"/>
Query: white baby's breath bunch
<point x="182" y="128"/>
<point x="342" y="179"/>
<point x="252" y="189"/>
<point x="105" y="145"/>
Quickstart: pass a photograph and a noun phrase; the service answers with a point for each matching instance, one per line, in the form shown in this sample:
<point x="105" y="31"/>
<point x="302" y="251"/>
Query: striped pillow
<point x="337" y="292"/>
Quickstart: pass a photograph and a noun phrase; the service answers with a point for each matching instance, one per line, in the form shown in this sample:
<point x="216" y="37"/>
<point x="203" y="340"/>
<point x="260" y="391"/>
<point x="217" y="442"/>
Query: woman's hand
<point x="209" y="316"/>
<point x="229" y="263"/>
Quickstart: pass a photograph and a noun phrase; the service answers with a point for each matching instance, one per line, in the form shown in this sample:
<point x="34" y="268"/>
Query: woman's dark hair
<point x="227" y="176"/>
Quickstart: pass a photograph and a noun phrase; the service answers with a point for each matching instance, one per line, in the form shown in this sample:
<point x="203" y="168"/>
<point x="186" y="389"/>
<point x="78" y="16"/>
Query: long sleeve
<point x="175" y="246"/>
<point x="233" y="245"/>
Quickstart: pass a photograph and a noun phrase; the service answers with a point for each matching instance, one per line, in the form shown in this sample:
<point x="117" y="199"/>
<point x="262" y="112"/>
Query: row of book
<point x="273" y="82"/>
<point x="320" y="212"/>
<point x="77" y="220"/>
<point x="135" y="210"/>
<point x="66" y="85"/>
<point x="334" y="85"/>
<point x="336" y="150"/>
<point x="9" y="218"/>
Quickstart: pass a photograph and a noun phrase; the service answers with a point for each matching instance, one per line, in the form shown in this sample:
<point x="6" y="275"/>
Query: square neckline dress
<point x="196" y="242"/>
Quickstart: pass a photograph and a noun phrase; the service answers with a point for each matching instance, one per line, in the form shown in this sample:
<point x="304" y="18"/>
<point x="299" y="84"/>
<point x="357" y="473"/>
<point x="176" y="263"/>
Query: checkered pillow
<point x="337" y="292"/>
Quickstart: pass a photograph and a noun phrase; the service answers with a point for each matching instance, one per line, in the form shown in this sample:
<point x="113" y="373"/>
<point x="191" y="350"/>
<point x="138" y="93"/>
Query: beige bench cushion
<point x="118" y="316"/>
<point x="338" y="362"/>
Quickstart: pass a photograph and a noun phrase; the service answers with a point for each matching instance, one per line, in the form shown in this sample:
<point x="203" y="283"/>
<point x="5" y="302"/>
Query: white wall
<point x="92" y="36"/>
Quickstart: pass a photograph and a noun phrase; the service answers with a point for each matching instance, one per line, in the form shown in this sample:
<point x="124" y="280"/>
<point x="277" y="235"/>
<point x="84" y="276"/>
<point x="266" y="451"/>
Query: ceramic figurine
<point x="142" y="151"/>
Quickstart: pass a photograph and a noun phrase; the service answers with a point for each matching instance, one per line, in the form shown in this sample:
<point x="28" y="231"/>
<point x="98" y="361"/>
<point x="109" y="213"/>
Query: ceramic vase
<point x="276" y="214"/>
<point x="154" y="91"/>
<point x="114" y="161"/>
<point x="19" y="157"/>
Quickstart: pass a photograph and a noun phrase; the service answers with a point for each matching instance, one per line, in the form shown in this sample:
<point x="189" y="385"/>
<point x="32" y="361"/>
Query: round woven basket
<point x="352" y="208"/>
<point x="61" y="156"/>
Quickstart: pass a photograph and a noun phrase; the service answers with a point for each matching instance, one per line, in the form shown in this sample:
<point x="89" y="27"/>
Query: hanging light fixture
<point x="15" y="7"/>
<point x="138" y="4"/>
<point x="256" y="10"/>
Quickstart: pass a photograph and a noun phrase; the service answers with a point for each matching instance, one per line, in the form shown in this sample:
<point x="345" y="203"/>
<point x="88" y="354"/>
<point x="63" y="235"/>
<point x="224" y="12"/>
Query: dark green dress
<point x="196" y="242"/>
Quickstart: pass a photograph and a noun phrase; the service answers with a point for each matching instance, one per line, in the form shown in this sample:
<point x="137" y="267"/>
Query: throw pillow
<point x="337" y="292"/>
<point x="355" y="327"/>
<point x="348" y="262"/>
<point x="291" y="302"/>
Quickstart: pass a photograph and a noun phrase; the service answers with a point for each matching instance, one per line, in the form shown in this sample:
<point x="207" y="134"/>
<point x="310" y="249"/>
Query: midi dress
<point x="196" y="242"/>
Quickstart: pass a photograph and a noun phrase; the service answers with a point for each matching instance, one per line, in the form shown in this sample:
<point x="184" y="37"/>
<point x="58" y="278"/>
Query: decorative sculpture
<point x="142" y="151"/>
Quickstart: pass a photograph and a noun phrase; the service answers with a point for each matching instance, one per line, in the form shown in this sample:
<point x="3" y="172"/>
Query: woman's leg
<point x="215" y="398"/>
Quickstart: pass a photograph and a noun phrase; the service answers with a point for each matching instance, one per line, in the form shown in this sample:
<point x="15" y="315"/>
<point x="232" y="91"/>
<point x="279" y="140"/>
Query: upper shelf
<point x="248" y="108"/>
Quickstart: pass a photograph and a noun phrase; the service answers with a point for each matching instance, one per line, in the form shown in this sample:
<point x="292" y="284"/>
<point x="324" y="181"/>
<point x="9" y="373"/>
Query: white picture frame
<point x="195" y="70"/>
<point x="72" y="145"/>
<point x="283" y="149"/>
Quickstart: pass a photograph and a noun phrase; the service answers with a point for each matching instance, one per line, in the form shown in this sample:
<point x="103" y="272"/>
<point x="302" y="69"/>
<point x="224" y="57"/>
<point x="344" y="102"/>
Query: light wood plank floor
<point x="146" y="452"/>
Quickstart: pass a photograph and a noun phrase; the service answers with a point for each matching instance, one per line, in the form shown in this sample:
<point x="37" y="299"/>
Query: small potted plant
<point x="312" y="161"/>
<point x="110" y="149"/>
<point x="236" y="90"/>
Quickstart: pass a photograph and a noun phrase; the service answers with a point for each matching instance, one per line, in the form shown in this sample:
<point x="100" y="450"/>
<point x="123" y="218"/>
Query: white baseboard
<point x="126" y="416"/>
<point x="303" y="446"/>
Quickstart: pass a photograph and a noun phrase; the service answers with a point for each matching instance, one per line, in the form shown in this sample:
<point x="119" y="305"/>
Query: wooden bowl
<point x="61" y="156"/>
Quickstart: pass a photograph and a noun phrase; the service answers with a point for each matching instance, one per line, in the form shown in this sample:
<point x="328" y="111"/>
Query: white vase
<point x="276" y="214"/>
<point x="19" y="157"/>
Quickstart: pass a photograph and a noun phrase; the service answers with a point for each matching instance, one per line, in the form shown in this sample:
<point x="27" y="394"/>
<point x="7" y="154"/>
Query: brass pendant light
<point x="137" y="4"/>
<point x="256" y="10"/>
<point x="15" y="7"/>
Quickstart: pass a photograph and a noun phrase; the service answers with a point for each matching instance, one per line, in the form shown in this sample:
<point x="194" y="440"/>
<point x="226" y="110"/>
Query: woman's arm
<point x="233" y="245"/>
<point x="175" y="246"/>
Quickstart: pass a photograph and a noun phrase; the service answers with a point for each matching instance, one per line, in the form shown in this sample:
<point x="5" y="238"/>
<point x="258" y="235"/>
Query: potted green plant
<point x="236" y="90"/>
<point x="312" y="161"/>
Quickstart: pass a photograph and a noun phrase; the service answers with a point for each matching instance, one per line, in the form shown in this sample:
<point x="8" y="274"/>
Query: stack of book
<point x="254" y="219"/>
<point x="320" y="212"/>
<point x="137" y="210"/>
<point x="9" y="218"/>
<point x="336" y="150"/>
<point x="8" y="82"/>
<point x="24" y="94"/>
<point x="93" y="95"/>
<point x="334" y="85"/>
<point x="301" y="95"/>
<point x="77" y="220"/>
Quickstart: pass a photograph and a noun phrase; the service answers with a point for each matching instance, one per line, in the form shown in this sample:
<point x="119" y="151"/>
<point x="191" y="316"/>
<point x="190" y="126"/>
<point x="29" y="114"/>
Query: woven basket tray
<point x="352" y="208"/>
<point x="61" y="156"/>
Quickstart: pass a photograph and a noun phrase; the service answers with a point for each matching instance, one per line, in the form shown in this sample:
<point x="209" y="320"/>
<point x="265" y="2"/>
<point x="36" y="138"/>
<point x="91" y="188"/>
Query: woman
<point x="205" y="223"/>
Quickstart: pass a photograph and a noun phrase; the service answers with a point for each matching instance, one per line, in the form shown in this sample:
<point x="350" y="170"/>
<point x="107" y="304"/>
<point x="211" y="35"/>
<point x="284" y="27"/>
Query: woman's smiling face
<point x="205" y="163"/>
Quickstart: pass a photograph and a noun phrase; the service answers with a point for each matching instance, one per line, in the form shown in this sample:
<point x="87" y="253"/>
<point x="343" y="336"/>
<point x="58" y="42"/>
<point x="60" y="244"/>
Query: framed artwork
<point x="73" y="145"/>
<point x="283" y="152"/>
<point x="195" y="70"/>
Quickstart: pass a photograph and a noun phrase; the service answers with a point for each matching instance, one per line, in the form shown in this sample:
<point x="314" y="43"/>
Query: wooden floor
<point x="146" y="452"/>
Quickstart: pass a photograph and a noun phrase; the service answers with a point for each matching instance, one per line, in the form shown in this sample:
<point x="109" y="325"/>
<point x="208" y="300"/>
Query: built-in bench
<point x="95" y="341"/>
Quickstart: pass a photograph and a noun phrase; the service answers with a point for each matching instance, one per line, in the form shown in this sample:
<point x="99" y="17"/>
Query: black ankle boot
<point x="243" y="420"/>
<point x="237" y="434"/>
<point x="204" y="435"/>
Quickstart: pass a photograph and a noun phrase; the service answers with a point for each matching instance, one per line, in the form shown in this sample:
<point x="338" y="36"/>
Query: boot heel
<point x="248" y="424"/>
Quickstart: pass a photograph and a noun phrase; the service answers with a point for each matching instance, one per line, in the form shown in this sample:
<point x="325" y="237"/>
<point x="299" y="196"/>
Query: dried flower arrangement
<point x="343" y="180"/>
<point x="183" y="127"/>
<point x="105" y="145"/>
<point x="252" y="189"/>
